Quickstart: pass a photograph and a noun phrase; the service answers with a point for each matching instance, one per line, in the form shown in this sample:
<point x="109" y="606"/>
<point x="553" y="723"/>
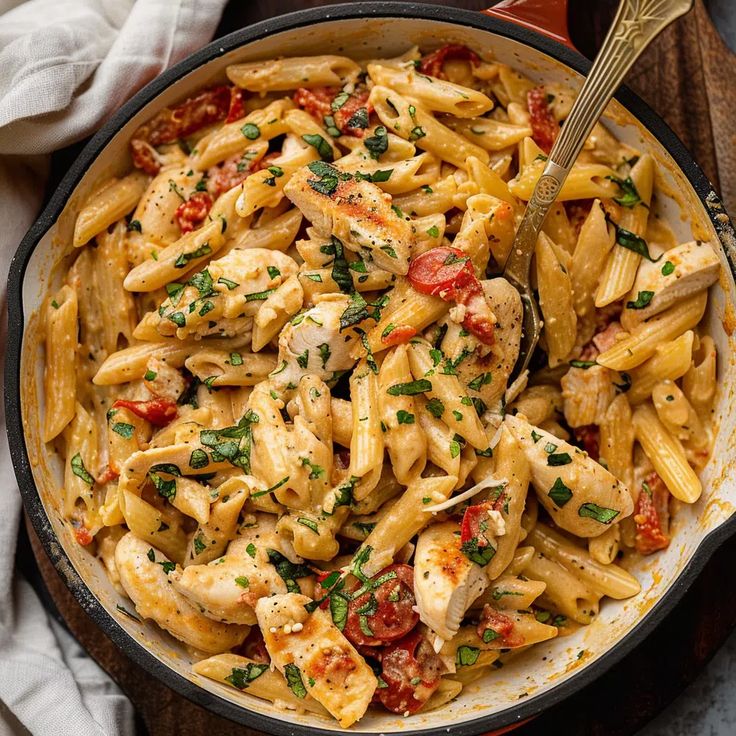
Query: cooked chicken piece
<point x="147" y="583"/>
<point x="587" y="392"/>
<point x="228" y="588"/>
<point x="315" y="657"/>
<point x="446" y="582"/>
<point x="357" y="213"/>
<point x="312" y="343"/>
<point x="485" y="370"/>
<point x="221" y="298"/>
<point x="681" y="272"/>
<point x="581" y="496"/>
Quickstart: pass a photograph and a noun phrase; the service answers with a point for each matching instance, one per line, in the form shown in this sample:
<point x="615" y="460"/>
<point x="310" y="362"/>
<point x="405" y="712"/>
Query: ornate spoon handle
<point x="636" y="24"/>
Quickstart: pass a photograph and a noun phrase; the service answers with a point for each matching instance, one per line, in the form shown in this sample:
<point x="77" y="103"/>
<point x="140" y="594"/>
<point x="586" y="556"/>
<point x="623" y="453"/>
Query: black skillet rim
<point x="31" y="498"/>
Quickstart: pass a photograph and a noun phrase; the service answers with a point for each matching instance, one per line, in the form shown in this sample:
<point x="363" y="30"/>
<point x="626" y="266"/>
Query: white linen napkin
<point x="65" y="66"/>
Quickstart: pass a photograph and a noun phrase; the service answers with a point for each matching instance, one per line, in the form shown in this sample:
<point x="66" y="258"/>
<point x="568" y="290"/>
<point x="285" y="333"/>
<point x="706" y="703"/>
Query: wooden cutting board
<point x="688" y="77"/>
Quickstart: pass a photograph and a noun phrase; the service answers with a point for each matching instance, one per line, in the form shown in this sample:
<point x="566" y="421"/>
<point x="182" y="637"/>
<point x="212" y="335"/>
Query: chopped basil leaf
<point x="287" y="570"/>
<point x="236" y="359"/>
<point x="433" y="232"/>
<point x="550" y="447"/>
<point x="199" y="544"/>
<point x="303" y="359"/>
<point x="536" y="436"/>
<point x="466" y="656"/>
<point x="480" y="380"/>
<point x="226" y="282"/>
<point x="599" y="513"/>
<point x="258" y="296"/>
<point x="377" y="143"/>
<point x="184" y="258"/>
<point x="631" y="241"/>
<point x="559" y="493"/>
<point x="251" y="550"/>
<point x="123" y="429"/>
<point x="355" y="313"/>
<point x="242" y="581"/>
<point x="642" y="300"/>
<point x="274" y="487"/>
<point x="241" y="677"/>
<point x="340" y="271"/>
<point x="135" y="225"/>
<point x="359" y="119"/>
<point x="481" y="555"/>
<point x="273" y="272"/>
<point x="559" y="458"/>
<point x="404" y="417"/>
<point x="629" y="193"/>
<point x="435" y="407"/>
<point x="77" y="465"/>
<point x="250" y="131"/>
<point x="489" y="635"/>
<point x="324" y="149"/>
<point x="198" y="459"/>
<point x="584" y="364"/>
<point x="668" y="268"/>
<point x="412" y="388"/>
<point x="150" y="375"/>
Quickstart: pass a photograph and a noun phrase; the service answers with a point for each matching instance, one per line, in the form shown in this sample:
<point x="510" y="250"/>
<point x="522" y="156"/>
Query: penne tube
<point x="565" y="592"/>
<point x="610" y="580"/>
<point x="108" y="205"/>
<point x="666" y="454"/>
<point x="622" y="264"/>
<point x="555" y="301"/>
<point x="291" y="73"/>
<point x="404" y="439"/>
<point x="419" y="125"/>
<point x="670" y="361"/>
<point x="59" y="378"/>
<point x="188" y="251"/>
<point x="222" y="368"/>
<point x="432" y="93"/>
<point x="406" y="519"/>
<point x="616" y="442"/>
<point x="255" y="679"/>
<point x="642" y="343"/>
<point x="445" y="395"/>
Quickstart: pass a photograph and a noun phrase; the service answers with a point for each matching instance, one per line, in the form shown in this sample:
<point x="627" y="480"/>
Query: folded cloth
<point x="65" y="66"/>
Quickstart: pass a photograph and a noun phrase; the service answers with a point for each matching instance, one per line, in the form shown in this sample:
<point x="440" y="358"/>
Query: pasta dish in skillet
<point x="278" y="371"/>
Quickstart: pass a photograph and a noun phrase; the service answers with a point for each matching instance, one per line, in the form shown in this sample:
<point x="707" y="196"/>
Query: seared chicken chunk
<point x="144" y="577"/>
<point x="312" y="343"/>
<point x="315" y="657"/>
<point x="581" y="496"/>
<point x="446" y="582"/>
<point x="356" y="212"/>
<point x="228" y="588"/>
<point x="678" y="274"/>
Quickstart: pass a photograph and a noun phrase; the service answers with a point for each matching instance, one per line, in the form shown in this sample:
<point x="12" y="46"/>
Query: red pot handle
<point x="548" y="17"/>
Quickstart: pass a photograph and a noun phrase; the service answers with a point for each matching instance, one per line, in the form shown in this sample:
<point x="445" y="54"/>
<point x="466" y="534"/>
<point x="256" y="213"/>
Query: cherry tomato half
<point x="157" y="411"/>
<point x="651" y="516"/>
<point x="411" y="672"/>
<point x="385" y="611"/>
<point x="545" y="128"/>
<point x="432" y="63"/>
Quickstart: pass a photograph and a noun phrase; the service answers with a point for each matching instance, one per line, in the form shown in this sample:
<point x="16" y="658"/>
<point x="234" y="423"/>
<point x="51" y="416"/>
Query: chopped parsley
<point x="643" y="299"/>
<point x="324" y="149"/>
<point x="559" y="493"/>
<point x="241" y="677"/>
<point x="77" y="465"/>
<point x="412" y="388"/>
<point x="599" y="513"/>
<point x="251" y="131"/>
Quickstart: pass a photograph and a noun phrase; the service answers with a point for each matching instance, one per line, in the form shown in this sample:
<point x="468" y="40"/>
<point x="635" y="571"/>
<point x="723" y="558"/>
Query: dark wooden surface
<point x="688" y="77"/>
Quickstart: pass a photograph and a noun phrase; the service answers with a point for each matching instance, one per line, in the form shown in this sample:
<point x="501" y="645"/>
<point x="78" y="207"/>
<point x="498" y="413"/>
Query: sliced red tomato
<point x="448" y="273"/>
<point x="172" y="123"/>
<point x="498" y="628"/>
<point x="399" y="335"/>
<point x="83" y="536"/>
<point x="193" y="212"/>
<point x="385" y="611"/>
<point x="317" y="101"/>
<point x="157" y="411"/>
<point x="237" y="105"/>
<point x="588" y="436"/>
<point x="545" y="128"/>
<point x="411" y="672"/>
<point x="473" y="526"/>
<point x="108" y="475"/>
<point x="651" y="516"/>
<point x="432" y="63"/>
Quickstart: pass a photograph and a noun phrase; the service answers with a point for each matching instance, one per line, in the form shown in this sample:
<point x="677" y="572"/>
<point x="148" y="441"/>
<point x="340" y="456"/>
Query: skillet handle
<point x="548" y="17"/>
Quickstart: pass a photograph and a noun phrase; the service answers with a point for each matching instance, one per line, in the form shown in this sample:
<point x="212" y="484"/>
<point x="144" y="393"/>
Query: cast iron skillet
<point x="534" y="12"/>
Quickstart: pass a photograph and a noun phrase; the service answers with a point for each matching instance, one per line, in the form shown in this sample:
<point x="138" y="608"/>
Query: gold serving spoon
<point x="636" y="25"/>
